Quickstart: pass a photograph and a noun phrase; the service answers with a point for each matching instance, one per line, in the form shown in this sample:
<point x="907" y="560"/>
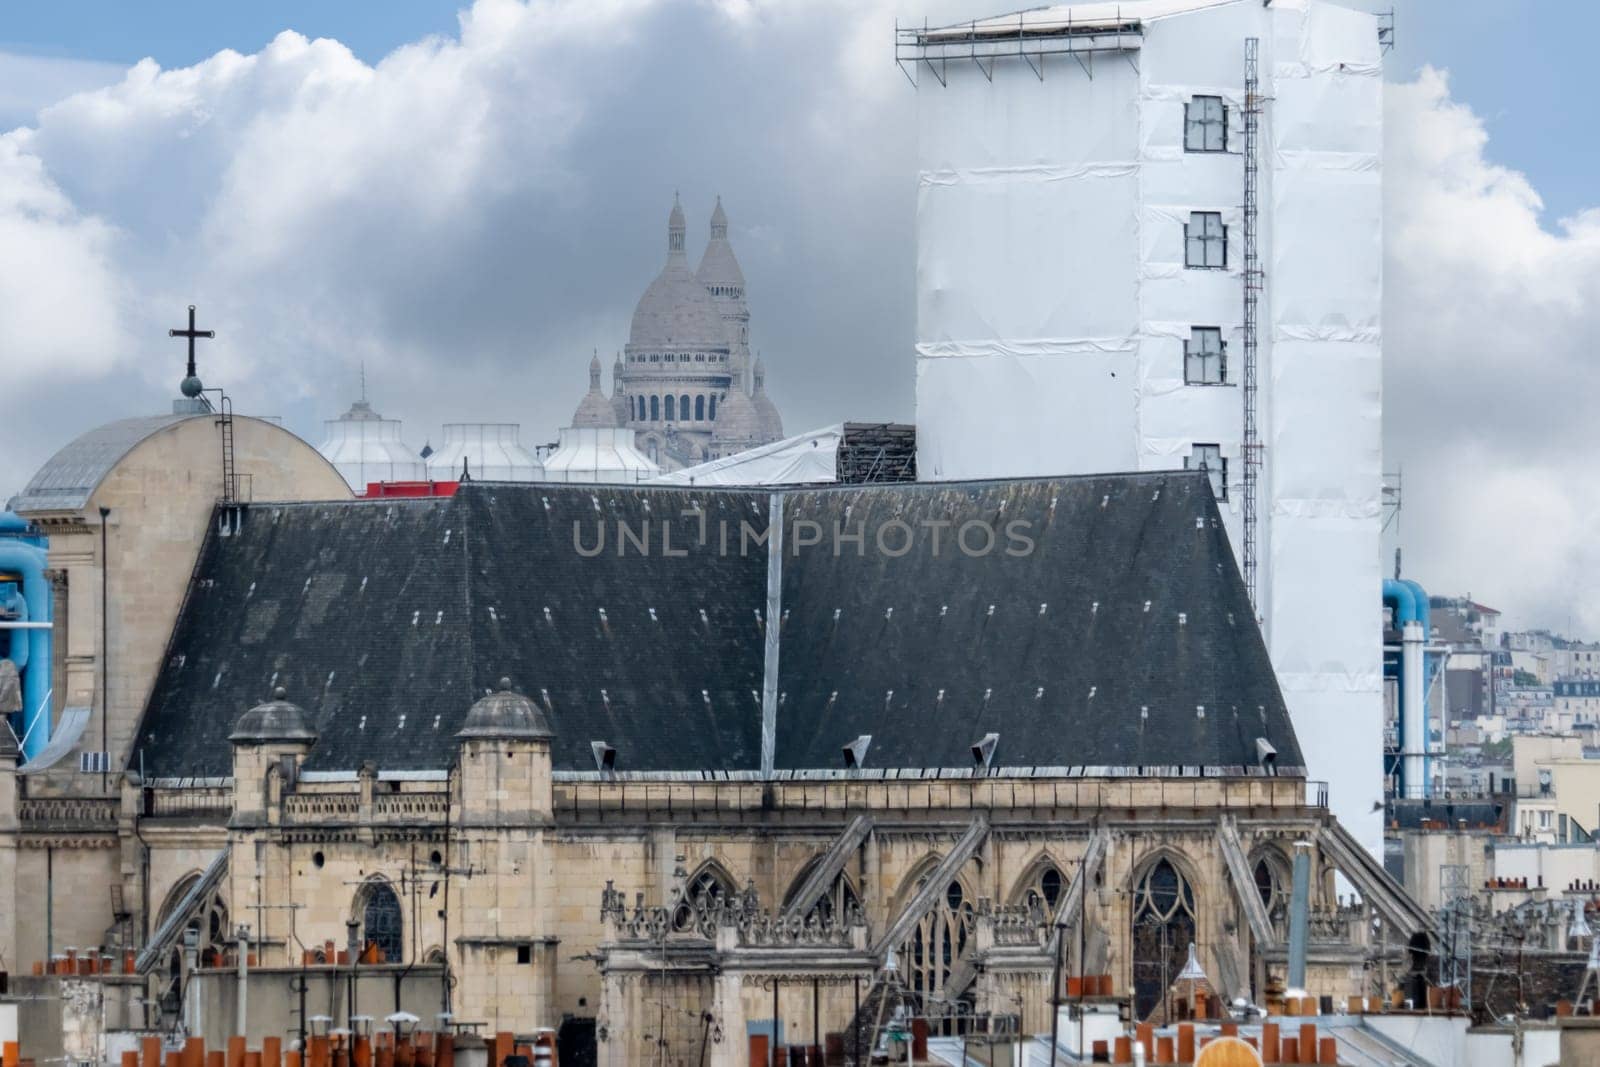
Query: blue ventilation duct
<point x="1409" y="604"/>
<point x="25" y="616"/>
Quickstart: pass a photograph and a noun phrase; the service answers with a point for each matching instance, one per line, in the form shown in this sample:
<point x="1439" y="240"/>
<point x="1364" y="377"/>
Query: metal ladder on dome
<point x="230" y="487"/>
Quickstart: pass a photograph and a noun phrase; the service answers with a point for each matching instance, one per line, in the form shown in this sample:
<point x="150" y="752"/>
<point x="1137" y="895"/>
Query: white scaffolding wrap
<point x="804" y="459"/>
<point x="1057" y="290"/>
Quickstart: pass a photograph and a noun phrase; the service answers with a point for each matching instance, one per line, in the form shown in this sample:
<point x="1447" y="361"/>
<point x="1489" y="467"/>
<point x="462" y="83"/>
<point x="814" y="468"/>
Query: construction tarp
<point x="1076" y="234"/>
<point x="805" y="459"/>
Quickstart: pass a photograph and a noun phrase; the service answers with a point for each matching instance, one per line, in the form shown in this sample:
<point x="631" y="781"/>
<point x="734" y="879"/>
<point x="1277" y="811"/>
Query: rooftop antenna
<point x="363" y="381"/>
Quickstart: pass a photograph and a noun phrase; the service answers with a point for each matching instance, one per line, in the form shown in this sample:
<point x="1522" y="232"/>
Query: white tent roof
<point x="598" y="454"/>
<point x="365" y="447"/>
<point x="805" y="459"/>
<point x="491" y="450"/>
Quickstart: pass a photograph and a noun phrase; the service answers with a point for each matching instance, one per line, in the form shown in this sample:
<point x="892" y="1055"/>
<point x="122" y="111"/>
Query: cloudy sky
<point x="469" y="200"/>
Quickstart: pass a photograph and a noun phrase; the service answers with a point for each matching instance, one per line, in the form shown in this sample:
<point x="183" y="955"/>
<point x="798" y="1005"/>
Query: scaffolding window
<point x="1205" y="356"/>
<point x="1205" y="240"/>
<point x="1209" y="458"/>
<point x="1205" y="125"/>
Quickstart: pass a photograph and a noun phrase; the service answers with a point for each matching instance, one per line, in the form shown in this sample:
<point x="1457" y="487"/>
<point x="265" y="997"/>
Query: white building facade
<point x="1081" y="296"/>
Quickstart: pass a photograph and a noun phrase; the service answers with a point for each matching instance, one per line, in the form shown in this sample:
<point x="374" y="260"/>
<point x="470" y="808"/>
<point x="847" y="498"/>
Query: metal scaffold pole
<point x="1251" y="440"/>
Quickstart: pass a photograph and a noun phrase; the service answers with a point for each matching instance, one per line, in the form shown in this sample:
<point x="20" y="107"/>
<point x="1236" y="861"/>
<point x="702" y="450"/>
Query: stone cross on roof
<point x="191" y="381"/>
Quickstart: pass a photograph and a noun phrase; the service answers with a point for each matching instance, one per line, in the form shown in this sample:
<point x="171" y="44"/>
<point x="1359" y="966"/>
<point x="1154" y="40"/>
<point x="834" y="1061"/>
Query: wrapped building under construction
<point x="1149" y="237"/>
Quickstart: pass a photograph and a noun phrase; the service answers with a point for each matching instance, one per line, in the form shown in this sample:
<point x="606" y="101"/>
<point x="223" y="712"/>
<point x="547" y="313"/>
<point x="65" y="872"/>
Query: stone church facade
<point x="687" y="382"/>
<point x="534" y="756"/>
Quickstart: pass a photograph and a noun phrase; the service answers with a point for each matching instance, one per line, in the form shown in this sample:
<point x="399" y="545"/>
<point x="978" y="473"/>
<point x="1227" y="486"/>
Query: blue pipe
<point x="1409" y="603"/>
<point x="29" y="561"/>
<point x="1427" y="674"/>
<point x="17" y="644"/>
<point x="1422" y="606"/>
<point x="1401" y="597"/>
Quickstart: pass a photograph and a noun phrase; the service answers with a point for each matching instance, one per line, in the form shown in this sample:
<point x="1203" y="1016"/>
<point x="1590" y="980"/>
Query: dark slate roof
<point x="1096" y="647"/>
<point x="1409" y="814"/>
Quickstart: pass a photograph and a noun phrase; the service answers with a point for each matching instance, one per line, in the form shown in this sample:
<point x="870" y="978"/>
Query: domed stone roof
<point x="619" y="402"/>
<point x="676" y="311"/>
<point x="594" y="409"/>
<point x="273" y="720"/>
<point x="719" y="267"/>
<point x="506" y="713"/>
<point x="738" y="421"/>
<point x="766" y="410"/>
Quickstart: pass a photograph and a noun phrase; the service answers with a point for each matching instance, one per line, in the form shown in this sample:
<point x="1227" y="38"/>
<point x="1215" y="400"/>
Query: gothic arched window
<point x="708" y="886"/>
<point x="1272" y="885"/>
<point x="700" y="409"/>
<point x="683" y="407"/>
<point x="1045" y="885"/>
<point x="380" y="921"/>
<point x="211" y="931"/>
<point x="1163" y="927"/>
<point x="655" y="409"/>
<point x="671" y="408"/>
<point x="837" y="904"/>
<point x="935" y="946"/>
<point x="712" y="407"/>
<point x="641" y="409"/>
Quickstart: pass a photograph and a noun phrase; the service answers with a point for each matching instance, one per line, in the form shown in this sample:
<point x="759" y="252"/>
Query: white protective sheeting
<point x="486" y="451"/>
<point x="63" y="739"/>
<point x="1055" y="299"/>
<point x="1324" y="446"/>
<point x="365" y="447"/>
<point x="1065" y="414"/>
<point x="598" y="454"/>
<point x="1106" y="12"/>
<point x="805" y="459"/>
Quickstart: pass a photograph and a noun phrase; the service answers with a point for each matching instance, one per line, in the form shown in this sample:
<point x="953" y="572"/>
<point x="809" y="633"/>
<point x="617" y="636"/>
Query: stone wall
<point x="511" y="893"/>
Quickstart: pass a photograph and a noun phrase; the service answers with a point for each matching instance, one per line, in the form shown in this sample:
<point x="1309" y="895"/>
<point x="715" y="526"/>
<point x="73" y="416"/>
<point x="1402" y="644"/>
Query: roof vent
<point x="983" y="750"/>
<point x="1266" y="755"/>
<point x="605" y="757"/>
<point x="855" y="753"/>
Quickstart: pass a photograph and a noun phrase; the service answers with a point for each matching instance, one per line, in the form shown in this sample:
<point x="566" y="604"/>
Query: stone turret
<point x="506" y="944"/>
<point x="505" y="760"/>
<point x="270" y="742"/>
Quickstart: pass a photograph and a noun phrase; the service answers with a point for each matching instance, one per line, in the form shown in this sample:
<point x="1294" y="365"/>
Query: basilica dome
<point x="594" y="409"/>
<point x="719" y="268"/>
<point x="738" y="422"/>
<point x="766" y="411"/>
<point x="676" y="311"/>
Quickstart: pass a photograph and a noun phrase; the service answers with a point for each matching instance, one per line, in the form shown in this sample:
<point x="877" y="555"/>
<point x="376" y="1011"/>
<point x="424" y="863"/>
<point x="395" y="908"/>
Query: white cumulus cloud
<point x="472" y="214"/>
<point x="1492" y="333"/>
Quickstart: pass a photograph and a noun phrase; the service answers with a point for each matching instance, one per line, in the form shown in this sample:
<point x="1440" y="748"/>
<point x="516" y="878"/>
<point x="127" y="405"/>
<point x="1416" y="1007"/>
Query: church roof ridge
<point x="1134" y="572"/>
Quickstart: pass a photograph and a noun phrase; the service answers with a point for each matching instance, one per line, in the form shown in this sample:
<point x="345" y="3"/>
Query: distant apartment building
<point x="1578" y="700"/>
<point x="1530" y="709"/>
<point x="1576" y="660"/>
<point x="1555" y="790"/>
<point x="1552" y="657"/>
<point x="1460" y="620"/>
